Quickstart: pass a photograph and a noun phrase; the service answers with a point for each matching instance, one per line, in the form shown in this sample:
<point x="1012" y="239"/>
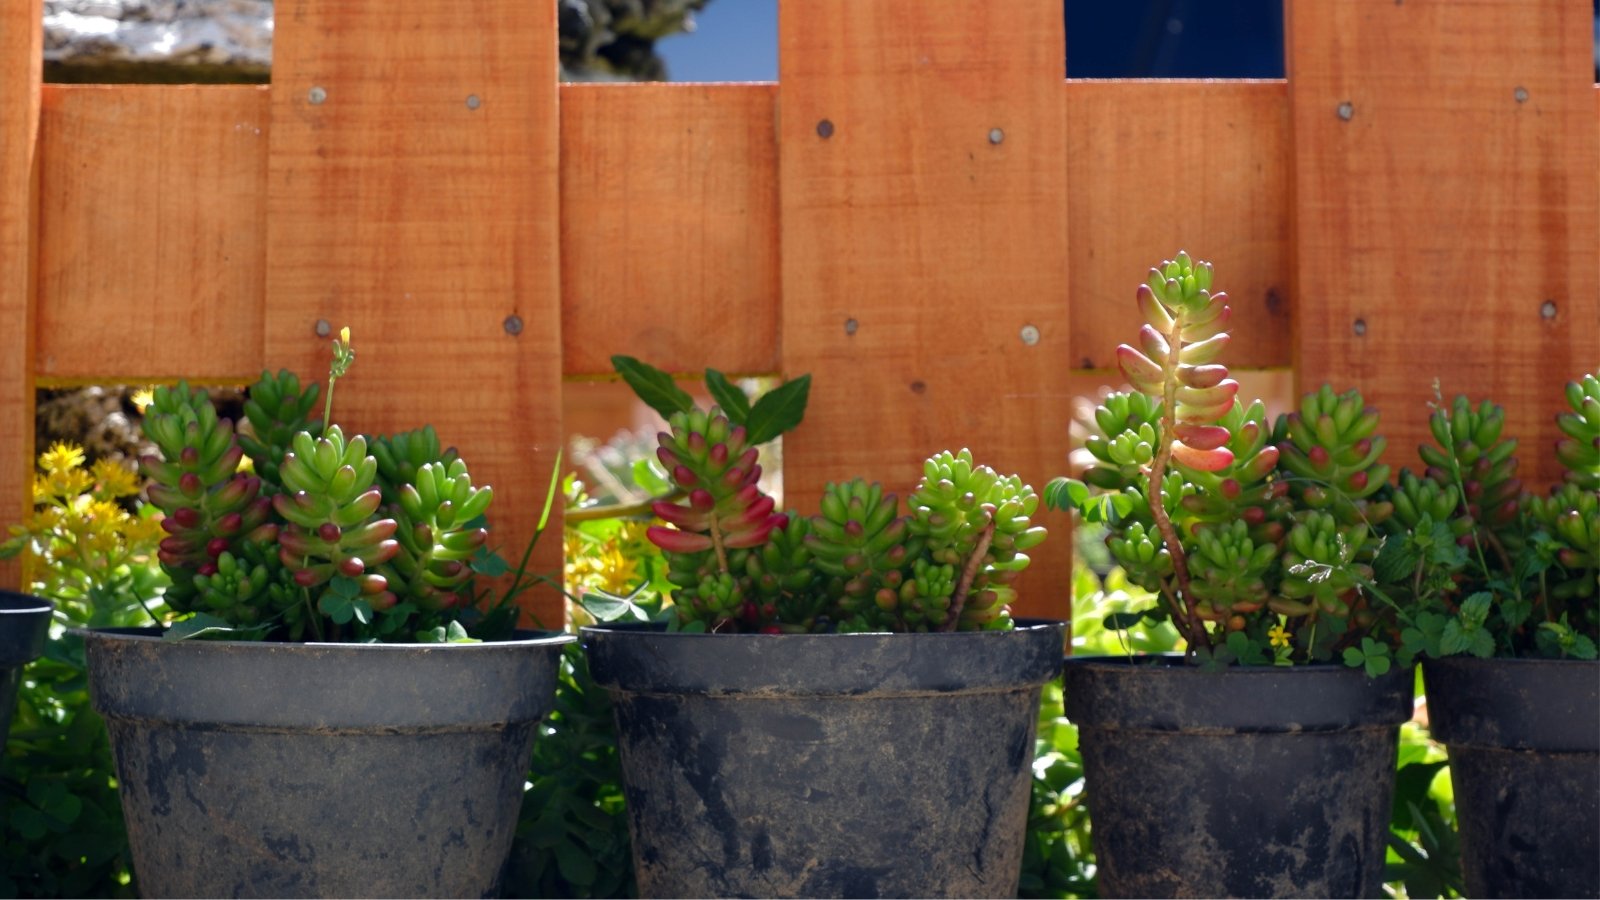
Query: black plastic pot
<point x="1524" y="743"/>
<point x="855" y="765"/>
<point x="24" y="625"/>
<point x="338" y="770"/>
<point x="1243" y="782"/>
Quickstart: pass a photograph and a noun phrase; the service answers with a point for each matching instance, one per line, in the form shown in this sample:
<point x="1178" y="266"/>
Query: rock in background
<point x="219" y="41"/>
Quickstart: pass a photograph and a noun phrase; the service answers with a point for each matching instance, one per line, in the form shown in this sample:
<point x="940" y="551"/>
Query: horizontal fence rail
<point x="921" y="213"/>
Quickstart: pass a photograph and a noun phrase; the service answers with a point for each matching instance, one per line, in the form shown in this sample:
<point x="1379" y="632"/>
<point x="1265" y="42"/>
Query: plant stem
<point x="1194" y="630"/>
<point x="636" y="510"/>
<point x="958" y="600"/>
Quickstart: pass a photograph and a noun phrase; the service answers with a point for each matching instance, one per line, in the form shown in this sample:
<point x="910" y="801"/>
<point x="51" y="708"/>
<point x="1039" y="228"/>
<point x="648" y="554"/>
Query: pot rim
<point x="154" y="634"/>
<point x="15" y="603"/>
<point x="255" y="685"/>
<point x="637" y="658"/>
<point x="1168" y="695"/>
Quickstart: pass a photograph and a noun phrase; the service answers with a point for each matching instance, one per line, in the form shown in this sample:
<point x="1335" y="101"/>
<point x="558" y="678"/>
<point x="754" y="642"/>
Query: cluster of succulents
<point x="1511" y="572"/>
<point x="318" y="536"/>
<point x="1257" y="540"/>
<point x="737" y="564"/>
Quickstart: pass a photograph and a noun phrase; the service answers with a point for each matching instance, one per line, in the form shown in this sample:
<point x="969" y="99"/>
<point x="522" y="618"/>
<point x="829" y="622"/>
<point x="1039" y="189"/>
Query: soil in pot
<point x="1243" y="782"/>
<point x="827" y="765"/>
<point x="1524" y="743"/>
<point x="290" y="770"/>
<point x="24" y="625"/>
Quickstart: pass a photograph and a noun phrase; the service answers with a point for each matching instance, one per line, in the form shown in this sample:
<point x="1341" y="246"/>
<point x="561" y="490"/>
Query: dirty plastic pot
<point x="826" y="765"/>
<point x="1524" y="743"/>
<point x="338" y="770"/>
<point x="24" y="625"/>
<point x="1243" y="782"/>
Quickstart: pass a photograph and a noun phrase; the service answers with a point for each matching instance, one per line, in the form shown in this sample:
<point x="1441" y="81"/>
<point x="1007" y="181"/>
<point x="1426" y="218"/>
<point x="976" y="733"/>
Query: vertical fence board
<point x="1445" y="192"/>
<point x="21" y="45"/>
<point x="669" y="226"/>
<point x="417" y="203"/>
<point x="923" y="228"/>
<point x="152" y="220"/>
<point x="1161" y="166"/>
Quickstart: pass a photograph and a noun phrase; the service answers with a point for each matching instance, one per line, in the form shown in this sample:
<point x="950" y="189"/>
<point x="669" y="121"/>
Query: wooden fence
<point x="921" y="212"/>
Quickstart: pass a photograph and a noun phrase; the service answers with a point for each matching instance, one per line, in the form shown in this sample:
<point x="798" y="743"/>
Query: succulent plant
<point x="1521" y="574"/>
<point x="948" y="562"/>
<point x="1240" y="529"/>
<point x="724" y="515"/>
<point x="327" y="537"/>
<point x="1579" y="451"/>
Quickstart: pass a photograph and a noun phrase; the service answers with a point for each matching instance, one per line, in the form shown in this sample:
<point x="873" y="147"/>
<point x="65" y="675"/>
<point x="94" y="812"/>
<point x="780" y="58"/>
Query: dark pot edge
<point x="1487" y="716"/>
<point x="153" y="634"/>
<point x="1029" y="625"/>
<point x="1165" y="708"/>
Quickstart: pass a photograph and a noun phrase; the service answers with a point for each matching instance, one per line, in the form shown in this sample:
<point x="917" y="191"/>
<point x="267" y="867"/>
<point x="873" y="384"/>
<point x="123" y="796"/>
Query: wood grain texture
<point x="152" y="231"/>
<point x="21" y="43"/>
<point x="669" y="226"/>
<point x="424" y="221"/>
<point x="939" y="244"/>
<point x="1161" y="166"/>
<point x="1447" y="208"/>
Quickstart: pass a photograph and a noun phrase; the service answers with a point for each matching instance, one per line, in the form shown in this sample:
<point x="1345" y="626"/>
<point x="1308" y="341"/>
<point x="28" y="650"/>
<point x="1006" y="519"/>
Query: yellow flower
<point x="143" y="397"/>
<point x="1279" y="636"/>
<point x="115" y="479"/>
<point x="69" y="483"/>
<point x="61" y="457"/>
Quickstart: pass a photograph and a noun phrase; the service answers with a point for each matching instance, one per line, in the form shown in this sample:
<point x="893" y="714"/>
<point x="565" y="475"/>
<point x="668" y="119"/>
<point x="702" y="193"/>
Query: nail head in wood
<point x="1360" y="327"/>
<point x="1521" y="93"/>
<point x="850" y="326"/>
<point x="1547" y="309"/>
<point x="316" y="95"/>
<point x="1030" y="335"/>
<point x="513" y="325"/>
<point x="473" y="102"/>
<point x="1347" y="110"/>
<point x="323" y="328"/>
<point x="996" y="135"/>
<point x="825" y="129"/>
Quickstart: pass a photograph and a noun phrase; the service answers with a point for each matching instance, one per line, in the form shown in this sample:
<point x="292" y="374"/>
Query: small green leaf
<point x="655" y="387"/>
<point x="611" y="608"/>
<point x="456" y="634"/>
<point x="1354" y="658"/>
<point x="344" y="588"/>
<point x="1583" y="647"/>
<point x="779" y="410"/>
<point x="362" y="610"/>
<point x="728" y="396"/>
<point x="649" y="475"/>
<point x="208" y="625"/>
<point x="335" y="607"/>
<point x="488" y="563"/>
<point x="576" y="866"/>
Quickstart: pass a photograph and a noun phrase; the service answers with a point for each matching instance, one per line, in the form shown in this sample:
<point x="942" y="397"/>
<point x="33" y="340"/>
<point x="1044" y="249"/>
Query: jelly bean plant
<point x="317" y="536"/>
<point x="1480" y="566"/>
<point x="946" y="561"/>
<point x="1257" y="538"/>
